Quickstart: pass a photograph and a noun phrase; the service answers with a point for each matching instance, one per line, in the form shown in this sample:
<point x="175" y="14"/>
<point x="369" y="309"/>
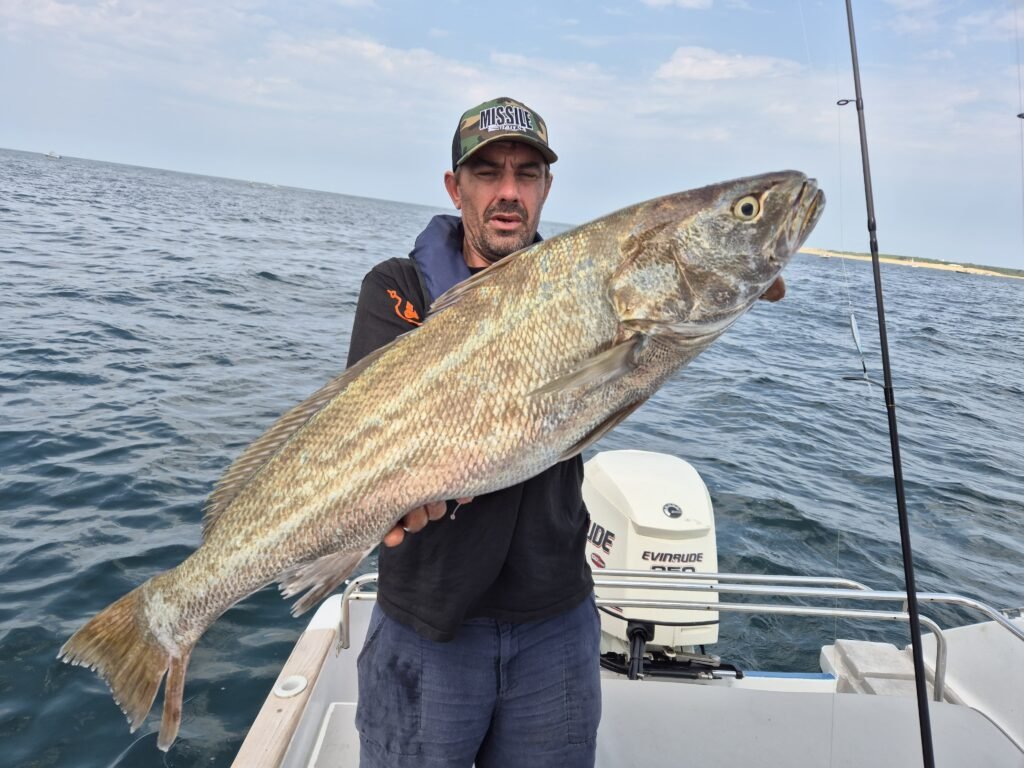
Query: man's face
<point x="500" y="191"/>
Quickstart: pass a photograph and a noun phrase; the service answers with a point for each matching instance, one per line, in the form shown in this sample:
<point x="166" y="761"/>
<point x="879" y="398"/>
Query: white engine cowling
<point x="651" y="511"/>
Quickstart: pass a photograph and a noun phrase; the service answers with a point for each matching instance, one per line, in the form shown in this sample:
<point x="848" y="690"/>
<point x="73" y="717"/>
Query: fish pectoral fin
<point x="602" y="429"/>
<point x="598" y="370"/>
<point x="318" y="578"/>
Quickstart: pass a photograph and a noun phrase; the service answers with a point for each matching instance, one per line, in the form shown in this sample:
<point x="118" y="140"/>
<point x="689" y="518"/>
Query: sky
<point x="641" y="98"/>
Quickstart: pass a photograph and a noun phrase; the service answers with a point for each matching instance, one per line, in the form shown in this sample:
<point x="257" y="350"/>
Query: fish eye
<point x="746" y="208"/>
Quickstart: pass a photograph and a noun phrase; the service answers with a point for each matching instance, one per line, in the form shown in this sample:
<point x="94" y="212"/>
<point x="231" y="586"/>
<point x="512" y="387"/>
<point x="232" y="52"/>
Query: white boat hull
<point x="763" y="719"/>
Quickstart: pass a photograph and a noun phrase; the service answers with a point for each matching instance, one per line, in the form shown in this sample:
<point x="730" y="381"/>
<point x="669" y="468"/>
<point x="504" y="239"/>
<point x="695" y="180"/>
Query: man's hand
<point x="416" y="520"/>
<point x="776" y="290"/>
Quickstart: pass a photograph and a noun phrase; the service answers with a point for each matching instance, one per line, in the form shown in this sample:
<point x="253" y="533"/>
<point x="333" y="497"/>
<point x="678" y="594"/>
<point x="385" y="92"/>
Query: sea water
<point x="153" y="323"/>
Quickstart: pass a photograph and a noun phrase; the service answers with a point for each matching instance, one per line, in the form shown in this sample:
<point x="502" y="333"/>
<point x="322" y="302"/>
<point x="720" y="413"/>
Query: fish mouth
<point x="806" y="210"/>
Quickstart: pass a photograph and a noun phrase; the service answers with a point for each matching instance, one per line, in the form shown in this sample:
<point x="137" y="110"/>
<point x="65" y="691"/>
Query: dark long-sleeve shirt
<point x="513" y="555"/>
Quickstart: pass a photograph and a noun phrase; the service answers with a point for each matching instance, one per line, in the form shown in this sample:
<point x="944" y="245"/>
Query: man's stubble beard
<point x="495" y="246"/>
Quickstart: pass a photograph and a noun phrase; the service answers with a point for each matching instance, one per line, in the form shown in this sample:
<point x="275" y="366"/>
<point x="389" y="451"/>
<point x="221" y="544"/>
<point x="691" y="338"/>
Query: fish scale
<point x="520" y="366"/>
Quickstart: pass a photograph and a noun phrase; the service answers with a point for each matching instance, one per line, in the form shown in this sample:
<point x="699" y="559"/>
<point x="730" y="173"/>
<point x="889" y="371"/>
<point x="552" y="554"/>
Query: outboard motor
<point x="652" y="512"/>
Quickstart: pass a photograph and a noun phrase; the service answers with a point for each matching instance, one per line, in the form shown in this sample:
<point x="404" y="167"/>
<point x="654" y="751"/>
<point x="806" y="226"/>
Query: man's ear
<point x="451" y="185"/>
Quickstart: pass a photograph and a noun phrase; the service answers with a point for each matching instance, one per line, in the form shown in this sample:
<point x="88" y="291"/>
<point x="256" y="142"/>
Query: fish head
<point x="694" y="262"/>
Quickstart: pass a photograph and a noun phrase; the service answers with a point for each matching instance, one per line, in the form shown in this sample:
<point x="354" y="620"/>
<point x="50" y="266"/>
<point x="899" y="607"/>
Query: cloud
<point x="937" y="54"/>
<point x="689" y="4"/>
<point x="559" y="71"/>
<point x="309" y="97"/>
<point x="927" y="17"/>
<point x="912" y="5"/>
<point x="130" y="24"/>
<point x="909" y="24"/>
<point x="988" y="26"/>
<point x="341" y="74"/>
<point x="692" y="63"/>
<point x="590" y="41"/>
<point x="915" y="17"/>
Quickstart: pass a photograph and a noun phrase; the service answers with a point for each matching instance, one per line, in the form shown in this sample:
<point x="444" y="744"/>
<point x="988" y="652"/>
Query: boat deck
<point x="765" y="720"/>
<point x="651" y="724"/>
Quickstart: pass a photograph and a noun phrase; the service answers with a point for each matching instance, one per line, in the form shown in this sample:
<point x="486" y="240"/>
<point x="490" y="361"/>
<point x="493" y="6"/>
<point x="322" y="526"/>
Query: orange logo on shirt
<point x="407" y="313"/>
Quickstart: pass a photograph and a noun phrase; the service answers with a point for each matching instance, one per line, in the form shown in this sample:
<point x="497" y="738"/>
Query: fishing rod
<point x="927" y="750"/>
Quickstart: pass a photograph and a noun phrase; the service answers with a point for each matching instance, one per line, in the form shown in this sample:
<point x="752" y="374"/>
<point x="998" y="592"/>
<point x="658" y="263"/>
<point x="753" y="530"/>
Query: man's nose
<point x="508" y="187"/>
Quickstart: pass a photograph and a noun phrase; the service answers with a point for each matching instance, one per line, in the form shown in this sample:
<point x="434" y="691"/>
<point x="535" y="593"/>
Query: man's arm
<point x="386" y="309"/>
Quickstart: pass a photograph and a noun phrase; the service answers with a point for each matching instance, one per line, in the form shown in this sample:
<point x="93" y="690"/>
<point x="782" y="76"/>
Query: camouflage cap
<point x="501" y="119"/>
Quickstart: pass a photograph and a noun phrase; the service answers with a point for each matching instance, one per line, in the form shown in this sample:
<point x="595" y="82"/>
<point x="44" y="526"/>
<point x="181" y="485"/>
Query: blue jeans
<point x="498" y="695"/>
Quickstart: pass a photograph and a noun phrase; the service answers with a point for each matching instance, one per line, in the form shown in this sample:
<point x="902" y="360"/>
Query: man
<point x="483" y="646"/>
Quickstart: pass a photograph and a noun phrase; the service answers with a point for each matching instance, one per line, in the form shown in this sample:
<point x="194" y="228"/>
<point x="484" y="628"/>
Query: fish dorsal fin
<point x="602" y="429"/>
<point x="255" y="457"/>
<point x="456" y="292"/>
<point x="318" y="578"/>
<point x="598" y="370"/>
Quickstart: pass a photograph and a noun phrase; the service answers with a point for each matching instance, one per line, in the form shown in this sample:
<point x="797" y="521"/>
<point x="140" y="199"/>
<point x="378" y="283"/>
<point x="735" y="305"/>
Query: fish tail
<point x="118" y="645"/>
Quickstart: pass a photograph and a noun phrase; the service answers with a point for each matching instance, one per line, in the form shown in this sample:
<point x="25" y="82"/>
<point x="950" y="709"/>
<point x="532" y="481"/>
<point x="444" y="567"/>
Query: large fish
<point x="521" y="366"/>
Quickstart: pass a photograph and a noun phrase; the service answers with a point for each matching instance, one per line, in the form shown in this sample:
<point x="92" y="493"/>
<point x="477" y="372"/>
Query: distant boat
<point x="52" y="155"/>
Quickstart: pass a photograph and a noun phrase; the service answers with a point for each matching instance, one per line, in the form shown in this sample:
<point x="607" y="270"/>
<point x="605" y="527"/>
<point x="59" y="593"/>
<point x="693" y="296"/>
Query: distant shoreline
<point x="906" y="261"/>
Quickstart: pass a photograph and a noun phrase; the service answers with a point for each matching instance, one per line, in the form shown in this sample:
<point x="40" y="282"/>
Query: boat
<point x="52" y="155"/>
<point x="666" y="699"/>
<point x="954" y="698"/>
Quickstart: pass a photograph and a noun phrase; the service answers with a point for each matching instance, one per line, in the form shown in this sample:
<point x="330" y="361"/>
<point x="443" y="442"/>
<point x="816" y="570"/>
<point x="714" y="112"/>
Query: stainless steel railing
<point x="819" y="587"/>
<point x="807" y="586"/>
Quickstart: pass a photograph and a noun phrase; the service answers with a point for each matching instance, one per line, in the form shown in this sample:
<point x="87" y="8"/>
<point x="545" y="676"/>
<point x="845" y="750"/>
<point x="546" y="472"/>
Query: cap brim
<point x="544" y="149"/>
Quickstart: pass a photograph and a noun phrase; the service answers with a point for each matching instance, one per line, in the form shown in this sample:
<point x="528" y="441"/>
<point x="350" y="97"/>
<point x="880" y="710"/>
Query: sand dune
<point x="908" y="262"/>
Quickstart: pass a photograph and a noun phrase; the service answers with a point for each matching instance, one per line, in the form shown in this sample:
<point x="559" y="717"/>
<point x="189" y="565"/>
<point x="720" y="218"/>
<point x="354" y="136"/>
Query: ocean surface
<point x="153" y="323"/>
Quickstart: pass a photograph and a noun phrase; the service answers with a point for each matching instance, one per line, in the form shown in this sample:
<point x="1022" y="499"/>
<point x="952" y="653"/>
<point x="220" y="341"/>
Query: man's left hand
<point x="416" y="520"/>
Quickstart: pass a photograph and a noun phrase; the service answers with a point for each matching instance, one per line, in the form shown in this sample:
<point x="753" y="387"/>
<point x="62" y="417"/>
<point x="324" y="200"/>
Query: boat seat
<point x="647" y="723"/>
